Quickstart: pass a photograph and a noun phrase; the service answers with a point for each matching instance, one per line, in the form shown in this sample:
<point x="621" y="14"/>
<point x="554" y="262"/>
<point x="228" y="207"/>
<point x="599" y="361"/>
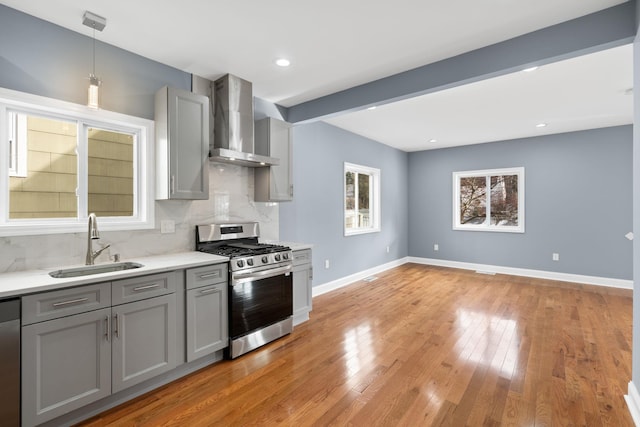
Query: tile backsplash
<point x="230" y="199"/>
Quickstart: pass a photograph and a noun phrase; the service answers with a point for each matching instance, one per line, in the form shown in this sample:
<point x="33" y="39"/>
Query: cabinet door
<point x="144" y="340"/>
<point x="281" y="184"/>
<point x="189" y="144"/>
<point x="274" y="183"/>
<point x="207" y="324"/>
<point x="302" y="298"/>
<point x="182" y="145"/>
<point x="66" y="364"/>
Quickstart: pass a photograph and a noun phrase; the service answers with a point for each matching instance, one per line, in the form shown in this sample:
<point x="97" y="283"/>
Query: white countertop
<point x="29" y="281"/>
<point x="293" y="245"/>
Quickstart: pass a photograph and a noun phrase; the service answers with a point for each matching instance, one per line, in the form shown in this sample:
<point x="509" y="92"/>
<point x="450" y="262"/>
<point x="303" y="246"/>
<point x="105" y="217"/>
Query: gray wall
<point x="578" y="203"/>
<point x="45" y="59"/>
<point x="316" y="214"/>
<point x="636" y="211"/>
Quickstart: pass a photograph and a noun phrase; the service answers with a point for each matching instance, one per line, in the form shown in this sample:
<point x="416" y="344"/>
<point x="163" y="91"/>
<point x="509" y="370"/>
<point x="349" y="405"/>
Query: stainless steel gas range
<point x="260" y="284"/>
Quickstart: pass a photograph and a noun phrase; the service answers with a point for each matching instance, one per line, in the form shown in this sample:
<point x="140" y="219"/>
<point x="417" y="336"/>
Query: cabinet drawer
<point x="139" y="288"/>
<point x="207" y="275"/>
<point x="302" y="257"/>
<point x="65" y="302"/>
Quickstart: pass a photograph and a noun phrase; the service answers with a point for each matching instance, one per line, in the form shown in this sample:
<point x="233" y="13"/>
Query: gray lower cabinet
<point x="73" y="359"/>
<point x="66" y="364"/>
<point x="206" y="300"/>
<point x="302" y="283"/>
<point x="144" y="340"/>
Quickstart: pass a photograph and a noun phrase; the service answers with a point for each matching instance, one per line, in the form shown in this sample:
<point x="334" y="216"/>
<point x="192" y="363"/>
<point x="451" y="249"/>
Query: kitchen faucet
<point x="93" y="234"/>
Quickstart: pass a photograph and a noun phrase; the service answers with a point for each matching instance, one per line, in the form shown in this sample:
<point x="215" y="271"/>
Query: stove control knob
<point x="265" y="259"/>
<point x="240" y="263"/>
<point x="250" y="262"/>
<point x="285" y="256"/>
<point x="277" y="257"/>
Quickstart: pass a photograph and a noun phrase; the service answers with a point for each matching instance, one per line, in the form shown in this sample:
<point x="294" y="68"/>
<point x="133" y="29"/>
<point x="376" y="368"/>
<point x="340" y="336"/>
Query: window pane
<point x="350" y="202"/>
<point x="473" y="203"/>
<point x="504" y="200"/>
<point x="110" y="172"/>
<point x="363" y="199"/>
<point x="49" y="188"/>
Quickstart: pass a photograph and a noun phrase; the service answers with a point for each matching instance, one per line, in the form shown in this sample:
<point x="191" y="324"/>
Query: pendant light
<point x="95" y="22"/>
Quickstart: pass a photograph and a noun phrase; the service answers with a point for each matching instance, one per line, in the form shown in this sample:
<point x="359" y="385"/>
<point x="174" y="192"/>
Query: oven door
<point x="259" y="299"/>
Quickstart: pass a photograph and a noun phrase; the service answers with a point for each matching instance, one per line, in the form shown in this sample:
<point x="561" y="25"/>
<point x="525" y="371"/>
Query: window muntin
<point x="96" y="161"/>
<point x="361" y="199"/>
<point x="489" y="200"/>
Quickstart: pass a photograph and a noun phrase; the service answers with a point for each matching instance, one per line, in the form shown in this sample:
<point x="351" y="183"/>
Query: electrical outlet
<point x="326" y="263"/>
<point x="167" y="226"/>
<point x="555" y="257"/>
<point x="388" y="249"/>
<point x="436" y="247"/>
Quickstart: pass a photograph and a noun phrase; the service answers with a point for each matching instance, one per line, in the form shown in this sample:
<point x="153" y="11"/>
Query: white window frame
<point x="486" y="226"/>
<point x="17" y="128"/>
<point x="142" y="129"/>
<point x="374" y="199"/>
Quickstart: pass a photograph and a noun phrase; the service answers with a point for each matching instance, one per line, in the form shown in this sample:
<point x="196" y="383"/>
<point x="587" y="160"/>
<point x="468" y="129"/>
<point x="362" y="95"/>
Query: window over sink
<point x="66" y="161"/>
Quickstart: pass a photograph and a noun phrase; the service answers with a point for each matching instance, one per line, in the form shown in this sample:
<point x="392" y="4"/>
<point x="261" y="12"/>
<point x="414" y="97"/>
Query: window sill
<point x="361" y="231"/>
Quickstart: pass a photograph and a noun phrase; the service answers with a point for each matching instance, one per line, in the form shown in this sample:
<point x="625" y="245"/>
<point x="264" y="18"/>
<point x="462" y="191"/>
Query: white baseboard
<point x="484" y="268"/>
<point x="539" y="274"/>
<point x="344" y="281"/>
<point x="633" y="402"/>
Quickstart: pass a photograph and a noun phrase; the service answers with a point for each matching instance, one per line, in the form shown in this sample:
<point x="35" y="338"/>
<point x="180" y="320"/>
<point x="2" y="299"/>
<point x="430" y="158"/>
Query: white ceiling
<point x="585" y="92"/>
<point x="336" y="44"/>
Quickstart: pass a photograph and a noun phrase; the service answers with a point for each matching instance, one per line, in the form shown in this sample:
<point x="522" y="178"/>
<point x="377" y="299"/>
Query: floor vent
<point x="369" y="279"/>
<point x="489" y="273"/>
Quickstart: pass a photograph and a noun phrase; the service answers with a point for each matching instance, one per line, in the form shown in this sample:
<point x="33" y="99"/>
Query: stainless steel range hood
<point x="233" y="136"/>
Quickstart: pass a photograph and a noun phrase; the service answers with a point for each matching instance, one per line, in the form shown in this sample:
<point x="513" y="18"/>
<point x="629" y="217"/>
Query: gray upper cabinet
<point x="182" y="145"/>
<point x="274" y="183"/>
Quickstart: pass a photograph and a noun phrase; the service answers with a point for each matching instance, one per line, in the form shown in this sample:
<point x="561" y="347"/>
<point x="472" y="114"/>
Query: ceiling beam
<point x="601" y="30"/>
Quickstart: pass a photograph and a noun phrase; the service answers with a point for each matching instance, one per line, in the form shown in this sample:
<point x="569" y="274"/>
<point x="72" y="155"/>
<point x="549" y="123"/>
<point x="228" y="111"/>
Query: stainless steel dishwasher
<point x="10" y="362"/>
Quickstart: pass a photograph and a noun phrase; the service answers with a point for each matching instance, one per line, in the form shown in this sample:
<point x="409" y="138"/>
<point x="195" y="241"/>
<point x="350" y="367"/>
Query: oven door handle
<point x="249" y="277"/>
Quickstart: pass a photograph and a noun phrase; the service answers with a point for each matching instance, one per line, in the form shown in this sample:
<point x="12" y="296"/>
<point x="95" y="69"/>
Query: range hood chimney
<point x="233" y="131"/>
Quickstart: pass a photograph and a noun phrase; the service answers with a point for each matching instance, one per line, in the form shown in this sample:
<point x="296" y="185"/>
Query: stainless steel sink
<point x="93" y="269"/>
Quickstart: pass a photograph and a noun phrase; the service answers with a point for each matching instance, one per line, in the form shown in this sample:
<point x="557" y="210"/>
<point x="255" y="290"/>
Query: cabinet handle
<point x="143" y="288"/>
<point x="173" y="184"/>
<point x="106" y="324"/>
<point x="115" y="325"/>
<point x="291" y="190"/>
<point x="311" y="273"/>
<point x="205" y="276"/>
<point x="209" y="291"/>
<point x="73" y="301"/>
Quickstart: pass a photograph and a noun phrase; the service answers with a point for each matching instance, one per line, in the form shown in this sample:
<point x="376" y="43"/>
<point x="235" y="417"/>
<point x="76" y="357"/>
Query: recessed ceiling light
<point x="433" y="140"/>
<point x="373" y="107"/>
<point x="283" y="62"/>
<point x="541" y="125"/>
<point x="530" y="69"/>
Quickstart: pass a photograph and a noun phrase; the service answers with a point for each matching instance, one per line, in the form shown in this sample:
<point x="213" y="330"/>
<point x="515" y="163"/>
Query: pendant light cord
<point x="94" y="49"/>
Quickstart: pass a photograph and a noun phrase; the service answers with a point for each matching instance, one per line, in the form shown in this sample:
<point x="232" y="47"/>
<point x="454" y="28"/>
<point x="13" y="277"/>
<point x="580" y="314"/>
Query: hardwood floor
<point x="422" y="346"/>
